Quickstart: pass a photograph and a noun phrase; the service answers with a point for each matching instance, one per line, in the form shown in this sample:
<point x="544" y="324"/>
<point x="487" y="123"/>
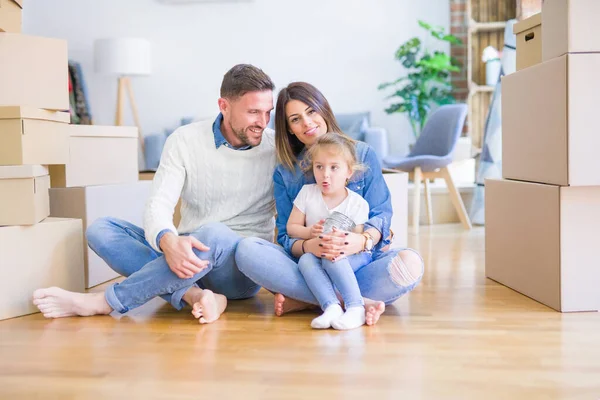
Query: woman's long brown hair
<point x="287" y="145"/>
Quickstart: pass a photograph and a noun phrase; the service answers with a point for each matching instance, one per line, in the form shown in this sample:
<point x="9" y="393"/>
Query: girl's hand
<point x="340" y="244"/>
<point x="317" y="229"/>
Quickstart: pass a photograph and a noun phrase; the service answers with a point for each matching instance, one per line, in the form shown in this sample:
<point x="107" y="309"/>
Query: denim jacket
<point x="369" y="184"/>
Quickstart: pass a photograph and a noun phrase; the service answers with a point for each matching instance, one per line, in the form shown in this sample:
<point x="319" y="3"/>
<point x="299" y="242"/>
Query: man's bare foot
<point x="207" y="306"/>
<point x="373" y="310"/>
<point x="54" y="302"/>
<point x="284" y="305"/>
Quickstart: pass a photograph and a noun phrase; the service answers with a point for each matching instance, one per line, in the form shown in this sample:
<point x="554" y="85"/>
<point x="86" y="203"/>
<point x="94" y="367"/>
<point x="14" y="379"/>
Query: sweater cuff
<point x="160" y="235"/>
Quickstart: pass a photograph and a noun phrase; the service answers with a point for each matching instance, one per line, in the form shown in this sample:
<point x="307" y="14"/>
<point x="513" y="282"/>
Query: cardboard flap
<point x="20" y="112"/>
<point x="103" y="131"/>
<point x="22" y="171"/>
<point x="17" y="2"/>
<point x="528" y="23"/>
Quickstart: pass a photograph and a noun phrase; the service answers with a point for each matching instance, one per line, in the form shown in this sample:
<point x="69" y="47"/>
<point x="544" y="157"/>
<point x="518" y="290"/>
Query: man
<point x="222" y="170"/>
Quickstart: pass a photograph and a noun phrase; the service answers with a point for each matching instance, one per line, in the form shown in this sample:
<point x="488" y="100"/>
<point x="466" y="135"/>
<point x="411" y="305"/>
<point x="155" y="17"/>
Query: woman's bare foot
<point x="373" y="310"/>
<point x="284" y="305"/>
<point x="54" y="302"/>
<point x="207" y="306"/>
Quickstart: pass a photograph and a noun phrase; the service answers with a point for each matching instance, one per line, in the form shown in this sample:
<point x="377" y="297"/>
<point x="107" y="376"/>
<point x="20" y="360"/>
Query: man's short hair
<point x="244" y="78"/>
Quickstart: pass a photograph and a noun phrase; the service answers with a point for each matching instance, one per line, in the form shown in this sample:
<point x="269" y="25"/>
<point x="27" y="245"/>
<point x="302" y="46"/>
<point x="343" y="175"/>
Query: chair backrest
<point x="441" y="132"/>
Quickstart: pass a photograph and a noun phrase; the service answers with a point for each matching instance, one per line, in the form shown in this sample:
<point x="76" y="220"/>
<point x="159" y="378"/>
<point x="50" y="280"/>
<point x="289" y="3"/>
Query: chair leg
<point x="456" y="199"/>
<point x="418" y="176"/>
<point x="428" y="202"/>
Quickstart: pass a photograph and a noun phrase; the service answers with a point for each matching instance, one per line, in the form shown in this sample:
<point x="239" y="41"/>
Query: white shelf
<point x="486" y="26"/>
<point x="475" y="88"/>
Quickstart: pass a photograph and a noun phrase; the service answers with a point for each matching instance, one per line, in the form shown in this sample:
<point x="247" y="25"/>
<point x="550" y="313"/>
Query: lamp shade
<point x="123" y="56"/>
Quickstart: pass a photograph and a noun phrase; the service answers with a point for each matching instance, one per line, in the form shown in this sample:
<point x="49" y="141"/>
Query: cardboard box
<point x="548" y="130"/>
<point x="529" y="41"/>
<point x="57" y="260"/>
<point x="33" y="136"/>
<point x="397" y="183"/>
<point x="125" y="201"/>
<point x="542" y="240"/>
<point x="10" y="15"/>
<point x="98" y="155"/>
<point x="570" y="26"/>
<point x="33" y="72"/>
<point x="149" y="176"/>
<point x="24" y="199"/>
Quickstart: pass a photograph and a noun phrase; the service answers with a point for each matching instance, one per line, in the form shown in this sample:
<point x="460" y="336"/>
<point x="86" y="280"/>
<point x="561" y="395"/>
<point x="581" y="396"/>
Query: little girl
<point x="333" y="161"/>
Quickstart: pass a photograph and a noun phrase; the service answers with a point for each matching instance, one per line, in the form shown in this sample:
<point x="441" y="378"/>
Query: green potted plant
<point x="427" y="81"/>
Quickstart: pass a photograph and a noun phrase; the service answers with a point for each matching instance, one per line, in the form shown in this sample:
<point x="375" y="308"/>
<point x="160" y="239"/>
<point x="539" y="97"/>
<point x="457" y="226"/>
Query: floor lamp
<point x="124" y="58"/>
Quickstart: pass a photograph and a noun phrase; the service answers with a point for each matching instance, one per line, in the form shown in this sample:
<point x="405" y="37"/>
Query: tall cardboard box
<point x="33" y="72"/>
<point x="38" y="256"/>
<point x="542" y="241"/>
<point x="548" y="130"/>
<point x="33" y="136"/>
<point x="397" y="183"/>
<point x="125" y="201"/>
<point x="98" y="155"/>
<point x="570" y="26"/>
<point x="10" y="15"/>
<point x="24" y="194"/>
<point x="529" y="41"/>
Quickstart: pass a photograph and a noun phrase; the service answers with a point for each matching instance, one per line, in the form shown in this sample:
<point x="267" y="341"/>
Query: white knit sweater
<point x="234" y="187"/>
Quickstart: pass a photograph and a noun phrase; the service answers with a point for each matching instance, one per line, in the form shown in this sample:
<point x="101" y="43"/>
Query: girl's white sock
<point x="352" y="318"/>
<point x="331" y="313"/>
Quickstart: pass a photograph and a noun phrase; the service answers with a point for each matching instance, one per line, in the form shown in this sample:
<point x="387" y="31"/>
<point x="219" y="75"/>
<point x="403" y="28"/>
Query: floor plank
<point x="457" y="336"/>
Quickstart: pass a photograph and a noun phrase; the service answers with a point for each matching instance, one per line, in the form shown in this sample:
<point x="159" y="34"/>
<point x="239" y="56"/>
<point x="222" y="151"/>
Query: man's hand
<point x="317" y="229"/>
<point x="180" y="256"/>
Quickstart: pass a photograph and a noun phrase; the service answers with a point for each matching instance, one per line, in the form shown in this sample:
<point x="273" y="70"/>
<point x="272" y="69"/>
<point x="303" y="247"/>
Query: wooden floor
<point x="457" y="336"/>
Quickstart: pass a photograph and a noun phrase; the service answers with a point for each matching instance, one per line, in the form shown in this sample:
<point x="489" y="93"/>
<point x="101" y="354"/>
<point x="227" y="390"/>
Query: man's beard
<point x="243" y="136"/>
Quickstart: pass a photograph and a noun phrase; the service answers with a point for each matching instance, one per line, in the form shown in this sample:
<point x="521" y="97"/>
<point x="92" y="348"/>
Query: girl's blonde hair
<point x="342" y="144"/>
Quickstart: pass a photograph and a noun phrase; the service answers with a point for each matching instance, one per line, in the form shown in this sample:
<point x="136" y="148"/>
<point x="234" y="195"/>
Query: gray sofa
<point x="356" y="125"/>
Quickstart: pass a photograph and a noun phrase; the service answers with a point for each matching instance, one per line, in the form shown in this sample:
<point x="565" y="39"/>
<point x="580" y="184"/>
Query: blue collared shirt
<point x="369" y="184"/>
<point x="219" y="141"/>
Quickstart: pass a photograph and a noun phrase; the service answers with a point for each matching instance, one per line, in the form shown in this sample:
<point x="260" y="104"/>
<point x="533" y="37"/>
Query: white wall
<point x="344" y="47"/>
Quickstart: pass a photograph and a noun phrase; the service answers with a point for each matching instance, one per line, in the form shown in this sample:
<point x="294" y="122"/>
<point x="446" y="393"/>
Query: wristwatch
<point x="368" y="246"/>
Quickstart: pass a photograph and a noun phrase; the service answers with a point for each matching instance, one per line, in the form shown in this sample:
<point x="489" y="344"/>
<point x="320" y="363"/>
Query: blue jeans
<point x="124" y="248"/>
<point x="321" y="275"/>
<point x="270" y="266"/>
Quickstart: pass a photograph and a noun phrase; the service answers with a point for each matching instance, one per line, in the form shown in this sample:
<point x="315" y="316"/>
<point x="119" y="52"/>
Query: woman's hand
<point x="339" y="244"/>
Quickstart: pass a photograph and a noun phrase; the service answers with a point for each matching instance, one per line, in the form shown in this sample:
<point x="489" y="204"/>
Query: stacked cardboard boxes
<point x="543" y="217"/>
<point x="35" y="251"/>
<point x="43" y="158"/>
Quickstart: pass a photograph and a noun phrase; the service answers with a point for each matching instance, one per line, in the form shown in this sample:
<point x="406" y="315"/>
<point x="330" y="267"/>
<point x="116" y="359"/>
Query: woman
<point x="301" y="115"/>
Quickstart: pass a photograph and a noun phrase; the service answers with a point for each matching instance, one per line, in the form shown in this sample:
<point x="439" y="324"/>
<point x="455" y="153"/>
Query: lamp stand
<point x="125" y="86"/>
